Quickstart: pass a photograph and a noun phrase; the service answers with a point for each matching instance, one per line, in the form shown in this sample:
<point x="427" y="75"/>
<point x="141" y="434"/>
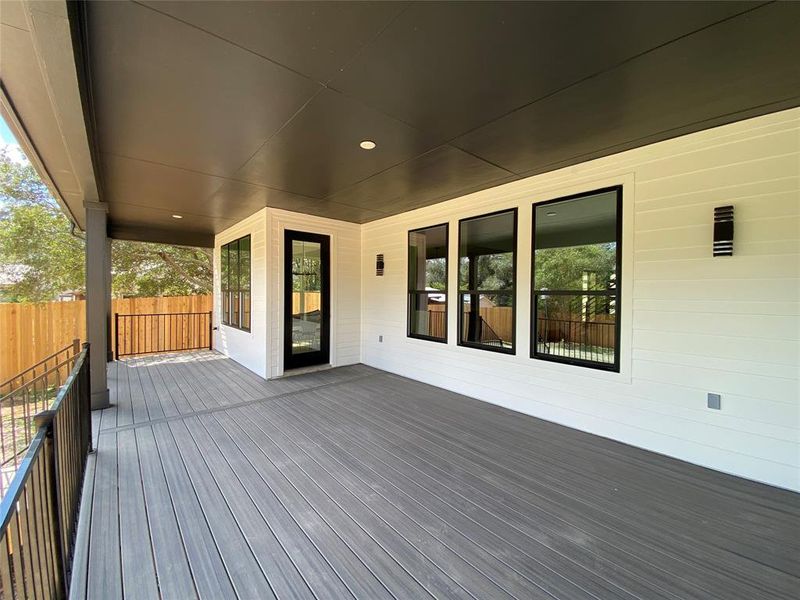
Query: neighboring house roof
<point x="435" y="297"/>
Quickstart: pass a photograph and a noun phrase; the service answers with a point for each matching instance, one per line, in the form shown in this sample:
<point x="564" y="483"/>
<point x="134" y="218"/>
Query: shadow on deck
<point x="211" y="482"/>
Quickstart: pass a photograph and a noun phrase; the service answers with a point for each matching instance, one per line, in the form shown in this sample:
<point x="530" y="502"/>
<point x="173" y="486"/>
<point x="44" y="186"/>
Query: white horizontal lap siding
<point x="345" y="284"/>
<point x="248" y="348"/>
<point x="691" y="323"/>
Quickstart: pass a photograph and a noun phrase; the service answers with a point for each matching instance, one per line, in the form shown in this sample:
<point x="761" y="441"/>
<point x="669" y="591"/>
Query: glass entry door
<point x="306" y="299"/>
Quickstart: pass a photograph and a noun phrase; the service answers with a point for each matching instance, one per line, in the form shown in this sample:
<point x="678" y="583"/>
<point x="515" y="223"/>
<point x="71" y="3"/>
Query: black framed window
<point x="577" y="254"/>
<point x="235" y="261"/>
<point x="487" y="273"/>
<point x="427" y="283"/>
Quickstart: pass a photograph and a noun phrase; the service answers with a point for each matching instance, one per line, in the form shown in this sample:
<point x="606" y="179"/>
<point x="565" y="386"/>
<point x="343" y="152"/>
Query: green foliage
<point x="492" y="272"/>
<point x="435" y="274"/>
<point x="37" y="247"/>
<point x="306" y="273"/>
<point x="570" y="268"/>
<point x="563" y="268"/>
<point x="140" y="269"/>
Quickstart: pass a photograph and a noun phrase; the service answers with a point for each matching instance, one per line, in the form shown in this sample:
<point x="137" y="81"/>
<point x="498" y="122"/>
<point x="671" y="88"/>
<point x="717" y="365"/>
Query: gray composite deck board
<point x="502" y="471"/>
<point x="594" y="524"/>
<point x="604" y="483"/>
<point x="105" y="576"/>
<point x="138" y="567"/>
<point x="169" y="554"/>
<point x="210" y="482"/>
<point x="205" y="562"/>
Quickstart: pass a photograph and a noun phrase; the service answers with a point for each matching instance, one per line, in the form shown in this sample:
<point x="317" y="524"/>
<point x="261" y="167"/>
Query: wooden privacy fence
<point x="311" y="302"/>
<point x="29" y="332"/>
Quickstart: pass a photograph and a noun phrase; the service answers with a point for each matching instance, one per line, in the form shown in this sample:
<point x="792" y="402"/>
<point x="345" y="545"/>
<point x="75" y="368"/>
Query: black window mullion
<point x="486" y="242"/>
<point x="234" y="292"/>
<point x="425" y="245"/>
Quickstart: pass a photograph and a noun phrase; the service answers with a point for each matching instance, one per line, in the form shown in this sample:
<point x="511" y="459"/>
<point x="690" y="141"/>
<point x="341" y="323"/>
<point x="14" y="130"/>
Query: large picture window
<point x="427" y="283"/>
<point x="487" y="281"/>
<point x="576" y="274"/>
<point x="235" y="283"/>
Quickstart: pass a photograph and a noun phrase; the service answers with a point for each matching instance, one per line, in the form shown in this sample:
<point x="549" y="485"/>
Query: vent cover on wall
<point x="723" y="231"/>
<point x="379" y="265"/>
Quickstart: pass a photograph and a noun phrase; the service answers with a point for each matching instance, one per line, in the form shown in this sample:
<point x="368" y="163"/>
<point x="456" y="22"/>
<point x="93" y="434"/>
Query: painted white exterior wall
<point x="248" y="348"/>
<point x="345" y="237"/>
<point x="261" y="349"/>
<point x="691" y="324"/>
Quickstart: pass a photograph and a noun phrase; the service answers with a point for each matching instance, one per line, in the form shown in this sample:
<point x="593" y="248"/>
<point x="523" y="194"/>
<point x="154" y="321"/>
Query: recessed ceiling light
<point x="368" y="144"/>
<point x="177" y="216"/>
<point x="551" y="214"/>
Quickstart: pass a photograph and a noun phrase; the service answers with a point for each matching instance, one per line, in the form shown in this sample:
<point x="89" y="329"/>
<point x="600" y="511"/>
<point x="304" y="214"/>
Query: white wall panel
<point x="345" y="336"/>
<point x="691" y="324"/>
<point x="246" y="347"/>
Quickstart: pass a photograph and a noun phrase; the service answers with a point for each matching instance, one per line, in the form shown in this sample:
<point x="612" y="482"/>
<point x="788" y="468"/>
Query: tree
<point x="563" y="268"/>
<point x="36" y="239"/>
<point x="143" y="269"/>
<point x="575" y="268"/>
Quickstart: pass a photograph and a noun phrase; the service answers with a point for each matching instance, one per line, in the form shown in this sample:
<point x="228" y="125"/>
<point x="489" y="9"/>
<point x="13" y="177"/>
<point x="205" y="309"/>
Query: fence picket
<point x="30" y="331"/>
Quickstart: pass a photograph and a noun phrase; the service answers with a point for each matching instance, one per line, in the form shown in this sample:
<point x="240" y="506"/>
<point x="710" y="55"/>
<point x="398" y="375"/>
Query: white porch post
<point x="98" y="299"/>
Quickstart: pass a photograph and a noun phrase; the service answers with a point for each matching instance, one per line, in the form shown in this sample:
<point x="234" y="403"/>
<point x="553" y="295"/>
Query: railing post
<point x="116" y="335"/>
<point x="76" y="347"/>
<point x="86" y="400"/>
<point x="210" y="332"/>
<point x="55" y="500"/>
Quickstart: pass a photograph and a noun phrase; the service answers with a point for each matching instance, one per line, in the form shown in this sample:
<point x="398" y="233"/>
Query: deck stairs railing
<point x="22" y="397"/>
<point x="39" y="511"/>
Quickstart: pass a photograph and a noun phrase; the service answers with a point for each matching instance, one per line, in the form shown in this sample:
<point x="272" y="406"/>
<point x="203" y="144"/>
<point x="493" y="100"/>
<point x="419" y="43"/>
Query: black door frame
<point x="321" y="356"/>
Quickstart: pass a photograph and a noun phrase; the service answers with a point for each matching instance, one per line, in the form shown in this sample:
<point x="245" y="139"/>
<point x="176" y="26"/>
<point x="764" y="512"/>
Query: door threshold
<point x="304" y="370"/>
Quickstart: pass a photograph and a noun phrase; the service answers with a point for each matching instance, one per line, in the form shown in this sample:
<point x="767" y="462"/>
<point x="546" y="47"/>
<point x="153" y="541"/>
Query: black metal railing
<point x="21" y="398"/>
<point x="39" y="513"/>
<point x="578" y="326"/>
<point x="161" y="332"/>
<point x="589" y="341"/>
<point x="481" y="332"/>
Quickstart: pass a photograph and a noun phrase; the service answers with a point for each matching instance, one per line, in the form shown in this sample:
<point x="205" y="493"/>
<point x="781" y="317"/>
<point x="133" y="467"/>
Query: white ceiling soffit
<point x="41" y="100"/>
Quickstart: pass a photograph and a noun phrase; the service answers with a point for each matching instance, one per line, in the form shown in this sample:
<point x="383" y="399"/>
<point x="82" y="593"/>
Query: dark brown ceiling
<point x="216" y="109"/>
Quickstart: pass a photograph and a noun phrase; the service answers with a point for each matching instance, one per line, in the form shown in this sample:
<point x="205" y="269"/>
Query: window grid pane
<point x="427" y="316"/>
<point x="487" y="281"/>
<point x="427" y="283"/>
<point x="576" y="259"/>
<point x="235" y="261"/>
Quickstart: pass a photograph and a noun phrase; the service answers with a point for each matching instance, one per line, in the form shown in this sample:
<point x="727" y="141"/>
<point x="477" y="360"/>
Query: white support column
<point x="98" y="303"/>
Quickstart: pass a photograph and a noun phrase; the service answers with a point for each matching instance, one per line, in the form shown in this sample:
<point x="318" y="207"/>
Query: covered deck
<point x="210" y="482"/>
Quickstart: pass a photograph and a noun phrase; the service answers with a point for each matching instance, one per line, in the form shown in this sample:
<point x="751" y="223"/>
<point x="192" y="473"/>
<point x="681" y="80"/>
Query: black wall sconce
<point x="379" y="265"/>
<point x="723" y="231"/>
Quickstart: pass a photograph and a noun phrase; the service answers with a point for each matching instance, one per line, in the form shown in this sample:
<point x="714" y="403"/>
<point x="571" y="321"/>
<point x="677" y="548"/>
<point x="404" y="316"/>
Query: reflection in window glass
<point x="486" y="281"/>
<point x="235" y="283"/>
<point x="576" y="296"/>
<point x="427" y="283"/>
<point x="244" y="281"/>
<point x="306" y="297"/>
<point x="226" y="305"/>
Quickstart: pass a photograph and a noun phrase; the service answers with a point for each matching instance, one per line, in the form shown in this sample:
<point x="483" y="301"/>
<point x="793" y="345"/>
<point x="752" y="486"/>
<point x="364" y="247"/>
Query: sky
<point x="9" y="143"/>
<point x="5" y="133"/>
